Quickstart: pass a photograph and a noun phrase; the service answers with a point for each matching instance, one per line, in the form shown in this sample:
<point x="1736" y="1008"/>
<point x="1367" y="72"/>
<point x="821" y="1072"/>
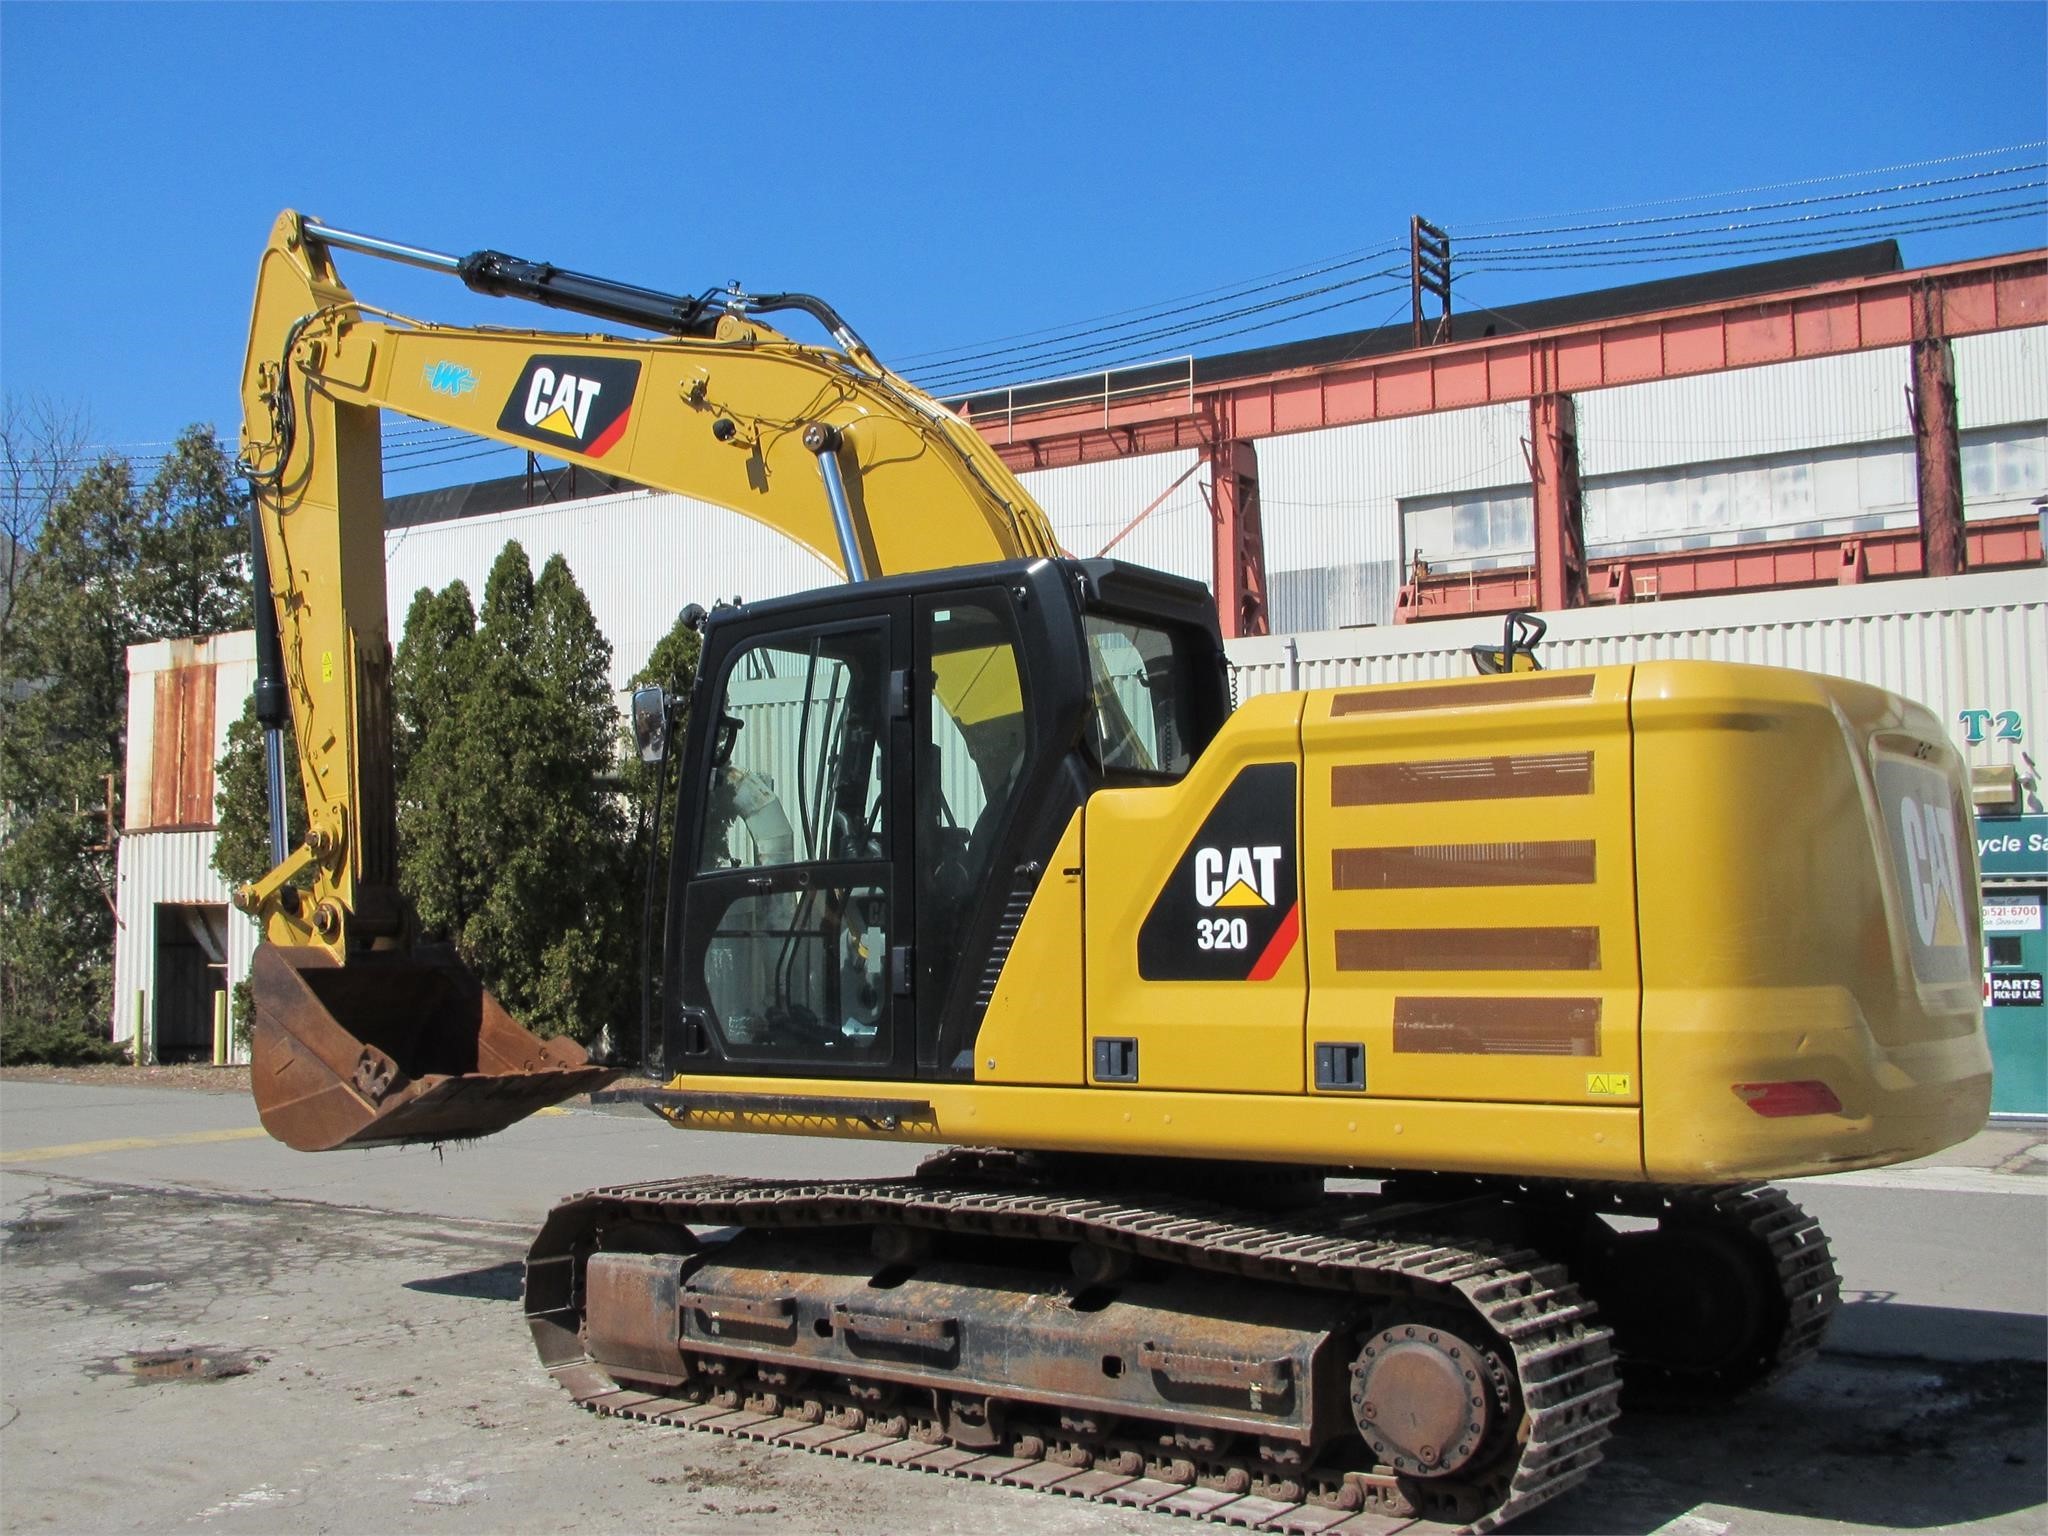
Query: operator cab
<point x="873" y="781"/>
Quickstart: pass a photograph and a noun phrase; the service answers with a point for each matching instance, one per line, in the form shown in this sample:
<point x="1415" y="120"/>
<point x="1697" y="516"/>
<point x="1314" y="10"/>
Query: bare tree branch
<point x="43" y="448"/>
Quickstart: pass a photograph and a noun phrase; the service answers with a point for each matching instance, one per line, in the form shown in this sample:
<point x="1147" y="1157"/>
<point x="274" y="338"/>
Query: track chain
<point x="1791" y="1243"/>
<point x="1562" y="1357"/>
<point x="1800" y="1256"/>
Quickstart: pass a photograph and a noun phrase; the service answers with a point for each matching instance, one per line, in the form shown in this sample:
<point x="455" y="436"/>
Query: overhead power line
<point x="1795" y="202"/>
<point x="946" y="379"/>
<point x="1755" y="245"/>
<point x="1972" y="195"/>
<point x="1822" y="223"/>
<point x="1473" y="226"/>
<point x="1055" y="335"/>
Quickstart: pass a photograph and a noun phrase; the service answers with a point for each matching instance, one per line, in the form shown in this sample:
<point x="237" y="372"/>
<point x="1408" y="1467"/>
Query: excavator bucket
<point x="397" y="1048"/>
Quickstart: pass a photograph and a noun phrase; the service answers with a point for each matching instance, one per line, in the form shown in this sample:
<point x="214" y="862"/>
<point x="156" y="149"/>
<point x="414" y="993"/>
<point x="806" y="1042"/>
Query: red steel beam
<point x="2004" y="543"/>
<point x="1558" y="508"/>
<point x="1997" y="293"/>
<point x="1937" y="445"/>
<point x="1240" y="543"/>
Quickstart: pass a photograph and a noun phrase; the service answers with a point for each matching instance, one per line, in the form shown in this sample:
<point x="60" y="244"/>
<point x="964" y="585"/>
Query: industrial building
<point x="1825" y="462"/>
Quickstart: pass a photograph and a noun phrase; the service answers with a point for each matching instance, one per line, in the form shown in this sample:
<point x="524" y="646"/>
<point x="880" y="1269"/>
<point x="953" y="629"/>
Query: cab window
<point x="1139" y="716"/>
<point x="798" y="777"/>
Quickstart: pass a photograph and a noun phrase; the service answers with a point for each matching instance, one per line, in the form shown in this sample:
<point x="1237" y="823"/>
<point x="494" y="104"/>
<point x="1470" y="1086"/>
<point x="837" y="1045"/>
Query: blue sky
<point x="943" y="174"/>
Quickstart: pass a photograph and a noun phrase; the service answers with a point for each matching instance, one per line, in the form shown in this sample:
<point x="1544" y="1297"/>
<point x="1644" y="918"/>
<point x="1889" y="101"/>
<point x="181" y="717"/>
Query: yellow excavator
<point x="1341" y="1094"/>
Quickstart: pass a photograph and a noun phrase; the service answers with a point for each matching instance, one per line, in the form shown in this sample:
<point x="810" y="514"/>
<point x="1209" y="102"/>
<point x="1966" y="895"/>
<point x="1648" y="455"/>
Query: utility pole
<point x="1429" y="272"/>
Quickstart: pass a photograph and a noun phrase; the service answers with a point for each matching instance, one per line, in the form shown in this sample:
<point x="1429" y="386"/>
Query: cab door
<point x="795" y="941"/>
<point x="977" y="742"/>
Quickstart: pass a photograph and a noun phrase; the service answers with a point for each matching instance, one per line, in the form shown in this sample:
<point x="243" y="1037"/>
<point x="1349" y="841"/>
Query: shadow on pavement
<point x="1866" y="1442"/>
<point x="498" y="1282"/>
<point x="1871" y="1323"/>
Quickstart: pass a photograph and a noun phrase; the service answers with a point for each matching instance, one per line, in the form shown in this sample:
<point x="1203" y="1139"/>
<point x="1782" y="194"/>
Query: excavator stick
<point x="394" y="1049"/>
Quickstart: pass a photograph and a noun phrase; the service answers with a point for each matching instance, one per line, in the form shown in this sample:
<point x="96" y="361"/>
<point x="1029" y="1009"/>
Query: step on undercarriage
<point x="1340" y="1364"/>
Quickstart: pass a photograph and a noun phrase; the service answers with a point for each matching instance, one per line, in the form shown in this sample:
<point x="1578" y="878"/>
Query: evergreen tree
<point x="111" y="565"/>
<point x="537" y="737"/>
<point x="434" y="668"/>
<point x="431" y="667"/>
<point x="65" y="696"/>
<point x="241" y="798"/>
<point x="512" y="839"/>
<point x="191" y="577"/>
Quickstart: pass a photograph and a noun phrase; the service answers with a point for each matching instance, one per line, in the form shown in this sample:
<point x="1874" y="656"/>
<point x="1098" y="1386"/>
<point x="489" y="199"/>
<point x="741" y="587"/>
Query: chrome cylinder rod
<point x="273" y="780"/>
<point x="824" y="442"/>
<point x="390" y="250"/>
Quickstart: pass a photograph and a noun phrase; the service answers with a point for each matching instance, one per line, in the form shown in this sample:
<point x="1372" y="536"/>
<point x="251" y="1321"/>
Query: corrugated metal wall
<point x="2002" y="377"/>
<point x="183" y="695"/>
<point x="1089" y="504"/>
<point x="156" y="868"/>
<point x="1330" y="504"/>
<point x="1953" y="643"/>
<point x="1859" y="397"/>
<point x="640" y="557"/>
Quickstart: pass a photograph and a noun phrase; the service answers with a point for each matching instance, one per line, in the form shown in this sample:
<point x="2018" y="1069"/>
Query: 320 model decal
<point x="1231" y="909"/>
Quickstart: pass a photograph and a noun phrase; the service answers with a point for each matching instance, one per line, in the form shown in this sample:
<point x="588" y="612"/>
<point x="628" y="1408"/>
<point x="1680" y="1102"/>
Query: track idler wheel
<point x="1695" y="1309"/>
<point x="1425" y="1398"/>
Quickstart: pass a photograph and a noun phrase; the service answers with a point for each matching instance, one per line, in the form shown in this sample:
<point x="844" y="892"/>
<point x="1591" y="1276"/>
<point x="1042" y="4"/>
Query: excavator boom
<point x="359" y="1038"/>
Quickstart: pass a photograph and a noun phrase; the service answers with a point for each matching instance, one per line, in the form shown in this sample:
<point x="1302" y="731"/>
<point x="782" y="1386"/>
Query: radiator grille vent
<point x="1006" y="935"/>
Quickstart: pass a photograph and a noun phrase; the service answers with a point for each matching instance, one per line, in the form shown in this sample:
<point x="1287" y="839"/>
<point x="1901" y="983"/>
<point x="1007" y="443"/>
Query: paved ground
<point x="373" y="1297"/>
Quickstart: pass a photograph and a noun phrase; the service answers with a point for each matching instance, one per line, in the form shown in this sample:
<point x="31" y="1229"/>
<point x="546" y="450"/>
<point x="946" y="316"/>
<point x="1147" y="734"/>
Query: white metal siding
<point x="639" y="557"/>
<point x="1859" y="397"/>
<point x="1330" y="504"/>
<point x="1089" y="504"/>
<point x="1953" y="643"/>
<point x="2002" y="377"/>
<point x="157" y="867"/>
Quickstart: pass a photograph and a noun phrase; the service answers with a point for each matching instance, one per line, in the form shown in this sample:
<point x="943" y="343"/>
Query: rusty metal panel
<point x="1505" y="690"/>
<point x="181" y="755"/>
<point x="1441" y="866"/>
<point x="182" y="697"/>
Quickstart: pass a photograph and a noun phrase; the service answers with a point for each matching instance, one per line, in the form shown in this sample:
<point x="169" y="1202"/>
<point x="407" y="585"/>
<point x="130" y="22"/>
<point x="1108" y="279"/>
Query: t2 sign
<point x="1982" y="725"/>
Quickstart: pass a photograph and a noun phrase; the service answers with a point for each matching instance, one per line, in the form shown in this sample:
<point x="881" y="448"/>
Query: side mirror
<point x="650" y="723"/>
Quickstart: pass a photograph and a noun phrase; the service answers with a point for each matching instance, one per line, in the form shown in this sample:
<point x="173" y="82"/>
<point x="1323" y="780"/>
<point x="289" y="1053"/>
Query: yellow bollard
<point x="220" y="1029"/>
